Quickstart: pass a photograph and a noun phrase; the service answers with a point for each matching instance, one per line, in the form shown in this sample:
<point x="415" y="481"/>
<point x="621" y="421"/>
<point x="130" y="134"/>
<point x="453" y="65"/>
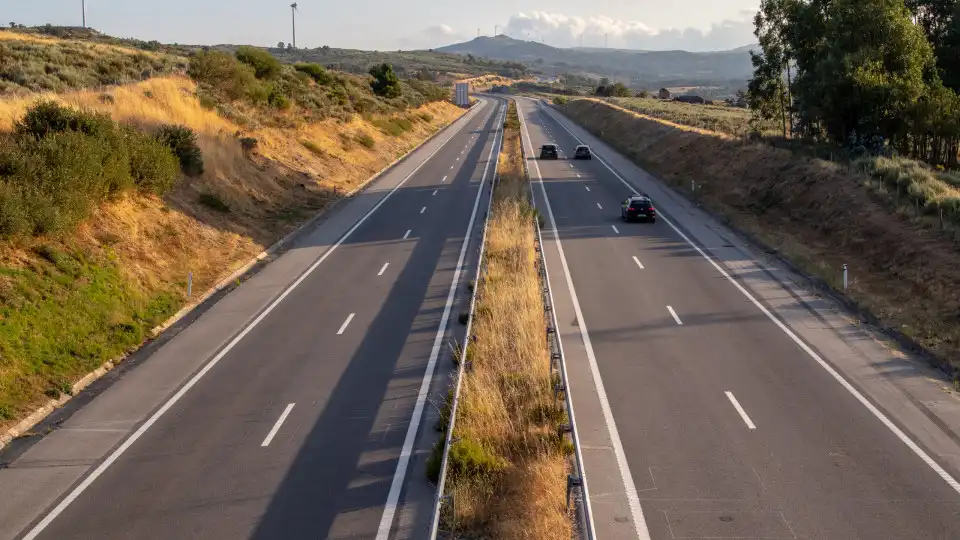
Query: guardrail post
<point x="572" y="482"/>
<point x="844" y="277"/>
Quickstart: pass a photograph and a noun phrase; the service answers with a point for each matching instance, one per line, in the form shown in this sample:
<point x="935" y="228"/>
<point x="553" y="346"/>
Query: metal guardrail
<point x="584" y="515"/>
<point x="463" y="363"/>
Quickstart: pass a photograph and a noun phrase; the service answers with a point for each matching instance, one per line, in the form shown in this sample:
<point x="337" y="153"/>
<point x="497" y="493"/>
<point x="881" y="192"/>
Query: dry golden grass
<point x="154" y="243"/>
<point x="904" y="269"/>
<point x="508" y="417"/>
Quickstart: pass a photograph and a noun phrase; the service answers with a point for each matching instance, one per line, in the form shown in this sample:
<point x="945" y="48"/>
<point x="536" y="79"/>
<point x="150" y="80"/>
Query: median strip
<point x="507" y="465"/>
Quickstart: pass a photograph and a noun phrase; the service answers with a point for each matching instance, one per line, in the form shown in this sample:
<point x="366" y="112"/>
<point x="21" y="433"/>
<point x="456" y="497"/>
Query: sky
<point x="693" y="25"/>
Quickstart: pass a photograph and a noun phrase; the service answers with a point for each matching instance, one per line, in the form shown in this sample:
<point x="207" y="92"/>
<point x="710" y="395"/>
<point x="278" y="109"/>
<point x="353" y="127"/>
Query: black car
<point x="582" y="152"/>
<point x="638" y="207"/>
<point x="549" y="151"/>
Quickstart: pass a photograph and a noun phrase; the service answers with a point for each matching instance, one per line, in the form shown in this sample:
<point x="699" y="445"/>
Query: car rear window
<point x="640" y="205"/>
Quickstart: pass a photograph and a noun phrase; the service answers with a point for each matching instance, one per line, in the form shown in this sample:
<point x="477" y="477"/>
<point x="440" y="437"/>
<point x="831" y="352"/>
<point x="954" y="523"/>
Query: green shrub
<point x="264" y="64"/>
<point x="221" y="71"/>
<point x="50" y="117"/>
<point x="366" y="140"/>
<point x="311" y="146"/>
<point x="277" y="99"/>
<point x="385" y="82"/>
<point x="213" y="202"/>
<point x="389" y="127"/>
<point x="560" y="100"/>
<point x="183" y="142"/>
<point x="404" y="124"/>
<point x="427" y="117"/>
<point x="248" y="143"/>
<point x="315" y="71"/>
<point x="470" y="460"/>
<point x="153" y="165"/>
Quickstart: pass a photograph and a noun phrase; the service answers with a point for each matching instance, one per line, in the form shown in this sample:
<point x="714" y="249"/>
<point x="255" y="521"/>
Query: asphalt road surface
<point x="307" y="424"/>
<point x="724" y="426"/>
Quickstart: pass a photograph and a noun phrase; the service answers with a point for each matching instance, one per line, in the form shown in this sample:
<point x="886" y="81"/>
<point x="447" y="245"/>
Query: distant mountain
<point x="679" y="67"/>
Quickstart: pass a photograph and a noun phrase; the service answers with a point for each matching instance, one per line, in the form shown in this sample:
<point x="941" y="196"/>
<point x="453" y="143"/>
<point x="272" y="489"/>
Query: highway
<point x="701" y="415"/>
<point x="299" y="406"/>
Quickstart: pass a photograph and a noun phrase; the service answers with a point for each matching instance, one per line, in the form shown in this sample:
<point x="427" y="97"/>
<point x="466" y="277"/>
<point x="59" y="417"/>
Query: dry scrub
<point x="904" y="267"/>
<point x="508" y="468"/>
<point x="128" y="263"/>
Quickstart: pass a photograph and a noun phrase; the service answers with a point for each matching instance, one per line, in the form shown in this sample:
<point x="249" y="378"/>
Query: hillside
<point x="895" y="221"/>
<point x="99" y="227"/>
<point x="669" y="68"/>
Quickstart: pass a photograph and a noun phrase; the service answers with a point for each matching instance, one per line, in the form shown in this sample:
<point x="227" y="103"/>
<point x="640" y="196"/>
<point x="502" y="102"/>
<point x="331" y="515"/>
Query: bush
<point x="315" y="71"/>
<point x="50" y="117"/>
<point x="264" y="64"/>
<point x="277" y="99"/>
<point x="560" y="100"/>
<point x="311" y="146"/>
<point x="153" y="165"/>
<point x="470" y="460"/>
<point x="388" y="126"/>
<point x="385" y="82"/>
<point x="183" y="142"/>
<point x="248" y="143"/>
<point x="213" y="202"/>
<point x="366" y="140"/>
<point x="222" y="72"/>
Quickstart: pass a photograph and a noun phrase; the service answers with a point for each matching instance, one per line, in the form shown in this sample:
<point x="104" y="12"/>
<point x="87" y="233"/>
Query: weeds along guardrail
<point x="462" y="362"/>
<point x="576" y="482"/>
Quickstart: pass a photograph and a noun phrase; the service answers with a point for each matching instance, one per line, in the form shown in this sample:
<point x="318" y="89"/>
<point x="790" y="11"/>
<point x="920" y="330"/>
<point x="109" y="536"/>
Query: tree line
<point x="874" y="76"/>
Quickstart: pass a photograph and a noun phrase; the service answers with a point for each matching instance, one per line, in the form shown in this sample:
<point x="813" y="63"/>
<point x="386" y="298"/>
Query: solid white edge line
<point x="743" y="413"/>
<point x="346" y="323"/>
<point x="384" y="269"/>
<point x="276" y="426"/>
<point x="674" y="313"/>
<point x="904" y="438"/>
<point x="615" y="229"/>
<point x="393" y="497"/>
<point x="92" y="477"/>
<point x="636" y="512"/>
<point x="636" y="260"/>
<point x="407" y="234"/>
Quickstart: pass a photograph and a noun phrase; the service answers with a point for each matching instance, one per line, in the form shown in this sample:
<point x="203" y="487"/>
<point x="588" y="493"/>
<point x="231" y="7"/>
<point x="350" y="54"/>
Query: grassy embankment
<point x="87" y="269"/>
<point x="507" y="470"/>
<point x="896" y="223"/>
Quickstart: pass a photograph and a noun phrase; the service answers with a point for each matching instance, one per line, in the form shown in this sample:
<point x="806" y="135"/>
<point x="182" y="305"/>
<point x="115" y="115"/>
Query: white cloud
<point x="562" y="30"/>
<point x="433" y="36"/>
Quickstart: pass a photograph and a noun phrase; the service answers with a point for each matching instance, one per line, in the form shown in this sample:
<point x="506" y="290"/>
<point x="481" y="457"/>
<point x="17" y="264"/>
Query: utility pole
<point x="605" y="43"/>
<point x="478" y="33"/>
<point x="83" y="7"/>
<point x="495" y="28"/>
<point x="293" y="9"/>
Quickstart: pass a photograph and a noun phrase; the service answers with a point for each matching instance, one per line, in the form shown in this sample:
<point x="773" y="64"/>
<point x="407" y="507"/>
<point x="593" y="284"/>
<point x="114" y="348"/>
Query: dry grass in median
<point x="508" y="467"/>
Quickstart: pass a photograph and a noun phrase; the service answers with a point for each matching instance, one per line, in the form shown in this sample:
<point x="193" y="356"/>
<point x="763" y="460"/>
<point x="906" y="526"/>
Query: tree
<point x="663" y="94"/>
<point x="280" y="45"/>
<point x="769" y="93"/>
<point x="13" y="24"/>
<point x="619" y="90"/>
<point x="385" y="82"/>
<point x="643" y="94"/>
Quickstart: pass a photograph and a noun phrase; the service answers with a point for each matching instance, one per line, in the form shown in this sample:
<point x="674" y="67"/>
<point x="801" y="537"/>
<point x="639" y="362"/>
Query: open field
<point x="507" y="469"/>
<point x="894" y="222"/>
<point x="73" y="301"/>
<point x="722" y="119"/>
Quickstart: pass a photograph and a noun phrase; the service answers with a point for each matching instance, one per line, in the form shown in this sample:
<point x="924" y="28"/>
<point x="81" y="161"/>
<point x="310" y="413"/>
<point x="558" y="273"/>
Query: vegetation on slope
<point x="143" y="183"/>
<point x="32" y="63"/>
<point x="508" y="464"/>
<point x="880" y="216"/>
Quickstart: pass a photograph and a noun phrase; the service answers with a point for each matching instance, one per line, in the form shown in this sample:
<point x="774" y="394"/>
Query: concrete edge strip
<point x="899" y="433"/>
<point x="45" y="410"/>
